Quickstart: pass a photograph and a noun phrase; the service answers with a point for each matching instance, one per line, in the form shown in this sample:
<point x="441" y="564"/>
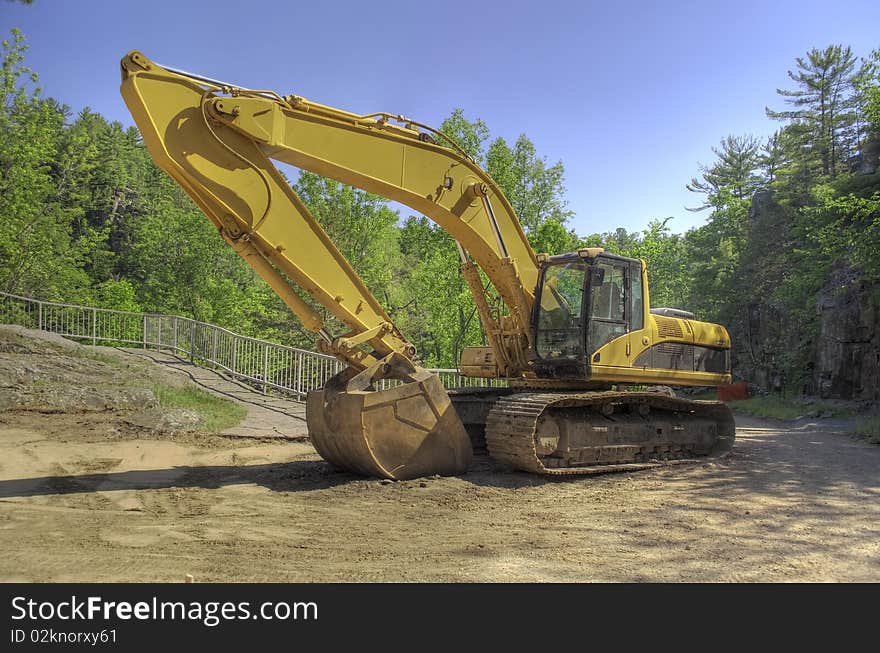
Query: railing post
<point x="265" y="367"/>
<point x="145" y="332"/>
<point x="174" y="350"/>
<point x="40" y="315"/>
<point x="192" y="341"/>
<point x="234" y="353"/>
<point x="159" y="333"/>
<point x="214" y="348"/>
<point x="299" y="373"/>
<point x="94" y="326"/>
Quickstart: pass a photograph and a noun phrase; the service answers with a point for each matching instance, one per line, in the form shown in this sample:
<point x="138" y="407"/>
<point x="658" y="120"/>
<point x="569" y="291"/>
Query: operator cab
<point x="584" y="301"/>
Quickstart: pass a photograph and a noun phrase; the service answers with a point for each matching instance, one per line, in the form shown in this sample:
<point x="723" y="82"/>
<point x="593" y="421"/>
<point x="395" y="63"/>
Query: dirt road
<point x="81" y="503"/>
<point x="788" y="505"/>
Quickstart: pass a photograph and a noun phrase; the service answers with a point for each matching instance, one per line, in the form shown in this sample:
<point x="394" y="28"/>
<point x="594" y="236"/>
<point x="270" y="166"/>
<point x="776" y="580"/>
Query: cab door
<point x="615" y="310"/>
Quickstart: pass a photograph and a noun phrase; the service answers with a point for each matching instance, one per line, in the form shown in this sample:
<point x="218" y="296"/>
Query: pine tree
<point x="825" y="114"/>
<point x="734" y="172"/>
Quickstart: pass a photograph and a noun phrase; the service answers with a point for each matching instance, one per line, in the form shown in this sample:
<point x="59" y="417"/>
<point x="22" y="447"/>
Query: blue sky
<point x="630" y="96"/>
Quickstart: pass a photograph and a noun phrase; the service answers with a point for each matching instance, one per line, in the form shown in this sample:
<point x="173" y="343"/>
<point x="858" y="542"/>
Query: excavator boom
<point x="217" y="140"/>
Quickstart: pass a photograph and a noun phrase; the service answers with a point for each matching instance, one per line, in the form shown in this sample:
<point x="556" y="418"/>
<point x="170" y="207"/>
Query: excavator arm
<point x="217" y="141"/>
<point x="230" y="177"/>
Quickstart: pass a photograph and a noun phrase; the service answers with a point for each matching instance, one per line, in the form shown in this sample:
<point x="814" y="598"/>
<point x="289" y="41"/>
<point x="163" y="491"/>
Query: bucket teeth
<point x="402" y="432"/>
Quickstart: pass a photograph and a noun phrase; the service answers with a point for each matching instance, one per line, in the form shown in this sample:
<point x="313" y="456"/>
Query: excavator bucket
<point x="402" y="432"/>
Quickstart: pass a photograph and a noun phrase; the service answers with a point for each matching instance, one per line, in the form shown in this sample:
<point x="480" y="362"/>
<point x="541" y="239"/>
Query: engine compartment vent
<point x="668" y="327"/>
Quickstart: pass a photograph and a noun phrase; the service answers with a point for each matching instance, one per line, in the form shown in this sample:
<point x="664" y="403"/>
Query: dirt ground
<point x="86" y="496"/>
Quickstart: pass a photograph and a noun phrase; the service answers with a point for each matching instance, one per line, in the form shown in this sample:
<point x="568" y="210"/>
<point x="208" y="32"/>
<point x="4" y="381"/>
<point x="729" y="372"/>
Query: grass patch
<point x="768" y="406"/>
<point x="98" y="356"/>
<point x="869" y="428"/>
<point x="774" y="407"/>
<point x="217" y="413"/>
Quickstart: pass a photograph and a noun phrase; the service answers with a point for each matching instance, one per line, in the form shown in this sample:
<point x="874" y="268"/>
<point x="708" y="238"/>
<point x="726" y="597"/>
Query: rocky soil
<point x="44" y="373"/>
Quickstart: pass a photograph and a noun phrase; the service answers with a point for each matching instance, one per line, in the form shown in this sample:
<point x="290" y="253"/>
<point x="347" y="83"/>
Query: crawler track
<point x="561" y="434"/>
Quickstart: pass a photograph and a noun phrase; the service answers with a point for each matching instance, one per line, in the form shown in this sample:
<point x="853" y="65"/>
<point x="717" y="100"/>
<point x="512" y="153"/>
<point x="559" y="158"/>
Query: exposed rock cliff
<point x="829" y="346"/>
<point x="848" y="347"/>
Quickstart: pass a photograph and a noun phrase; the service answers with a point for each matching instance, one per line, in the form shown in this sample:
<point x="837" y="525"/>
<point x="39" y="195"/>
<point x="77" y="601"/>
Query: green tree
<point x="535" y="189"/>
<point x="868" y="85"/>
<point x="36" y="254"/>
<point x="771" y="157"/>
<point x="468" y="135"/>
<point x="824" y="107"/>
<point x="179" y="264"/>
<point x="734" y="173"/>
<point x="620" y="241"/>
<point x="665" y="255"/>
<point x="360" y="224"/>
<point x="714" y="252"/>
<point x="552" y="237"/>
<point x="438" y="312"/>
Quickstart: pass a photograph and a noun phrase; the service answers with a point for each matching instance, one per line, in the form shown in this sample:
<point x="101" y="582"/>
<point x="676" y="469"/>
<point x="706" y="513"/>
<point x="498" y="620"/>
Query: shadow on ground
<point x="279" y="477"/>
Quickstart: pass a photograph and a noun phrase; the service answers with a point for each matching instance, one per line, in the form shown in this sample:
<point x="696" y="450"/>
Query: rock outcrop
<point x="848" y="348"/>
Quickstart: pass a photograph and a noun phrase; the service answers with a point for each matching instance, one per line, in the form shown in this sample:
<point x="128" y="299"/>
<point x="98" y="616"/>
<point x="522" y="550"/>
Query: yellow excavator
<point x="572" y="334"/>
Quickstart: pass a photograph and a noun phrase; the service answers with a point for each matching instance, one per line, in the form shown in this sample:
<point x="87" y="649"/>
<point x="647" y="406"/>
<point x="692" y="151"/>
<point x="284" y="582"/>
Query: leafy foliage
<point x="824" y="122"/>
<point x="38" y="248"/>
<point x="733" y="173"/>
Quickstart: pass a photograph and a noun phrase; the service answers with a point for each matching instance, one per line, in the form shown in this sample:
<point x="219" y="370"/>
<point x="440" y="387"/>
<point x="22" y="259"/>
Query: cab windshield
<point x="560" y="332"/>
<point x="568" y="329"/>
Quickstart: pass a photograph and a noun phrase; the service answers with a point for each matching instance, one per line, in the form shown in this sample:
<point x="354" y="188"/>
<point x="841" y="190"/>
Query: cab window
<point x="560" y="328"/>
<point x="608" y="300"/>
<point x="637" y="300"/>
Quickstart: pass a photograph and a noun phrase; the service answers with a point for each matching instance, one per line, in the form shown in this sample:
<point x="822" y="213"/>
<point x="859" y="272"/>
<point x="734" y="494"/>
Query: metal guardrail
<point x="262" y="364"/>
